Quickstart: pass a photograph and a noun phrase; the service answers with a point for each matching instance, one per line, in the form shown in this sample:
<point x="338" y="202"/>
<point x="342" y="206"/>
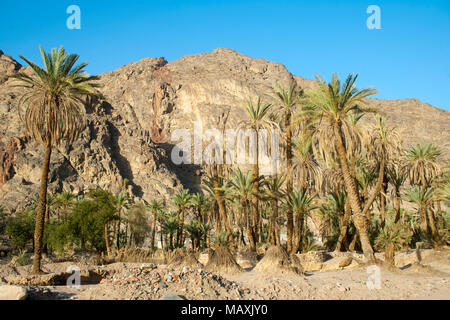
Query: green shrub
<point x="2" y="220"/>
<point x="23" y="259"/>
<point x="21" y="229"/>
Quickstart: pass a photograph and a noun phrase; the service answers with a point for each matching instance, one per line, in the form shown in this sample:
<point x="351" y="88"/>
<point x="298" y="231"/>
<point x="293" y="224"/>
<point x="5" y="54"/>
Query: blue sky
<point x="407" y="58"/>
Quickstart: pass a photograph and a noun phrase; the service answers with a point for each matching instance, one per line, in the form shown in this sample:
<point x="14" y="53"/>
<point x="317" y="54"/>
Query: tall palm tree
<point x="273" y="191"/>
<point x="397" y="178"/>
<point x="330" y="106"/>
<point x="423" y="164"/>
<point x="213" y="186"/>
<point x="258" y="119"/>
<point x="198" y="201"/>
<point x="121" y="202"/>
<point x="423" y="197"/>
<point x="155" y="206"/>
<point x="53" y="101"/>
<point x="307" y="170"/>
<point x="182" y="202"/>
<point x="287" y="100"/>
<point x="169" y="227"/>
<point x="384" y="145"/>
<point x="64" y="201"/>
<point x="302" y="204"/>
<point x="240" y="187"/>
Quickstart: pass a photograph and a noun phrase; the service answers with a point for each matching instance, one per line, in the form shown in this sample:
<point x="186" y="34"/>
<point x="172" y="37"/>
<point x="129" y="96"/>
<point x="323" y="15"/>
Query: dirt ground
<point x="136" y="281"/>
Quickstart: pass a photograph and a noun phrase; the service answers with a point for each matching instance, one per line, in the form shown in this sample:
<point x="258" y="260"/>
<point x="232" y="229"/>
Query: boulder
<point x="12" y="293"/>
<point x="336" y="263"/>
<point x="247" y="259"/>
<point x="313" y="260"/>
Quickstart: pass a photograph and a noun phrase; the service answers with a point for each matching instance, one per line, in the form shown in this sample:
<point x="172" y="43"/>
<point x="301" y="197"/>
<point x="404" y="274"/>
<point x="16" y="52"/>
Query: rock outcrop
<point x="129" y="134"/>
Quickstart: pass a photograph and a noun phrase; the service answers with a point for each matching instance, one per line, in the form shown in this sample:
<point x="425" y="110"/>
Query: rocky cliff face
<point x="128" y="135"/>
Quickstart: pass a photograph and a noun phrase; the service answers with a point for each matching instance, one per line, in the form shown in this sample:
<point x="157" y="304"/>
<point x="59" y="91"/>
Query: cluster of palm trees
<point x="333" y="166"/>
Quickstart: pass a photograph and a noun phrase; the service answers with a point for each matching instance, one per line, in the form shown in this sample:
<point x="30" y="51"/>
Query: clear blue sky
<point x="407" y="58"/>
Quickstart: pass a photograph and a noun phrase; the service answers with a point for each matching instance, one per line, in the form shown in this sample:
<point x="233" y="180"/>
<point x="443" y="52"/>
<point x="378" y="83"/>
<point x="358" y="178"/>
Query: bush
<point x="22" y="259"/>
<point x="21" y="228"/>
<point x="84" y="225"/>
<point x="2" y="220"/>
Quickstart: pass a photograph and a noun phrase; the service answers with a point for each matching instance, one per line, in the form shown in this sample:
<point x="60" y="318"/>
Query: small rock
<point x="168" y="277"/>
<point x="172" y="296"/>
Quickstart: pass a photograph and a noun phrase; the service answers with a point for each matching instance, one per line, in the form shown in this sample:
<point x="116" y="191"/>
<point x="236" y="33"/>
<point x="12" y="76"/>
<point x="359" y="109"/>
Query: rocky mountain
<point x="128" y="134"/>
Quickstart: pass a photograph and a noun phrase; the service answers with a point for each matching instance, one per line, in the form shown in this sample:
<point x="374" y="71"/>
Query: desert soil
<point x="137" y="281"/>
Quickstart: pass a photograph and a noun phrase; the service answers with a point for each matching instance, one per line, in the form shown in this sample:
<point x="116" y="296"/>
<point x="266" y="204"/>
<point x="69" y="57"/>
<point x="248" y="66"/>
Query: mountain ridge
<point x="128" y="134"/>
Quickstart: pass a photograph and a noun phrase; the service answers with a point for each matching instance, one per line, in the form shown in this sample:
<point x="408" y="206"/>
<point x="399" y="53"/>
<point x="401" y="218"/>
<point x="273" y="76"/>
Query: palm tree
<point x="392" y="237"/>
<point x="443" y="194"/>
<point x="198" y="201"/>
<point x="241" y="186"/>
<point x="258" y="120"/>
<point x="121" y="202"/>
<point x="273" y="191"/>
<point x="155" y="206"/>
<point x="397" y="178"/>
<point x="424" y="168"/>
<point x="330" y="106"/>
<point x="193" y="229"/>
<point x="382" y="141"/>
<point x="302" y="204"/>
<point x="287" y="99"/>
<point x="182" y="202"/>
<point x="307" y="171"/>
<point x="170" y="227"/>
<point x="204" y="230"/>
<point x="64" y="201"/>
<point x="53" y="101"/>
<point x="337" y="206"/>
<point x="422" y="164"/>
<point x="423" y="197"/>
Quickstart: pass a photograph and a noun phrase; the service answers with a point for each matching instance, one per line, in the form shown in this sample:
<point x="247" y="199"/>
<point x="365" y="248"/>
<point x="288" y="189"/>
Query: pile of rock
<point x="151" y="283"/>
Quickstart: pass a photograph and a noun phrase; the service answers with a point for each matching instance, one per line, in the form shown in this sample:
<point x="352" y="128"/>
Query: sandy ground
<point x="132" y="281"/>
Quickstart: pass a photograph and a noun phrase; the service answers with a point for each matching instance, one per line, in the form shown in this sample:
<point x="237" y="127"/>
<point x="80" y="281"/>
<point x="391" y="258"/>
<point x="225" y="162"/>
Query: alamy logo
<point x="374" y="279"/>
<point x="233" y="146"/>
<point x="74" y="20"/>
<point x="374" y="20"/>
<point x="74" y="280"/>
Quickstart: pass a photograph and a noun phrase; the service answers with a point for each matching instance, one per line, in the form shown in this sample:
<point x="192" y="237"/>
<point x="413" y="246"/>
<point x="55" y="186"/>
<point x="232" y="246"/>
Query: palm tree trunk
<point x="46" y="220"/>
<point x="397" y="206"/>
<point x="221" y="202"/>
<point x="439" y="215"/>
<point x="181" y="241"/>
<point x="108" y="250"/>
<point x="40" y="211"/>
<point x="118" y="232"/>
<point x="299" y="230"/>
<point x="255" y="202"/>
<point x="359" y="218"/>
<point x="343" y="226"/>
<point x="433" y="228"/>
<point x="250" y="234"/>
<point x="383" y="203"/>
<point x="153" y="230"/>
<point x="274" y="219"/>
<point x="424" y="221"/>
<point x="289" y="180"/>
